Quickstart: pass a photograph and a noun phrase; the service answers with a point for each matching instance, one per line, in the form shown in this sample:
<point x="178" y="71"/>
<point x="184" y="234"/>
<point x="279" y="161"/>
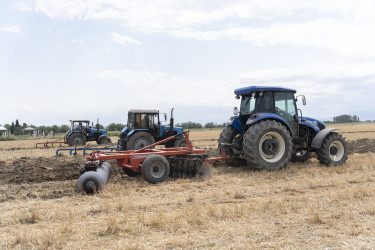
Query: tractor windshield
<point x="131" y="119"/>
<point x="261" y="102"/>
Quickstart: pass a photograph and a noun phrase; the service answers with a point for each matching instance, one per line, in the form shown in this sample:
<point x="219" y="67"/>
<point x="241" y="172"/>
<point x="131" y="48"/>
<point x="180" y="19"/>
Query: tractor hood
<point x="312" y="123"/>
<point x="177" y="129"/>
<point x="125" y="130"/>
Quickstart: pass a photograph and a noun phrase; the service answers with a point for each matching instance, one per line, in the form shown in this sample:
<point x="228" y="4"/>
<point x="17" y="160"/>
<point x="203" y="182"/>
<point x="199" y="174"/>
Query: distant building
<point x="3" y="131"/>
<point x="29" y="131"/>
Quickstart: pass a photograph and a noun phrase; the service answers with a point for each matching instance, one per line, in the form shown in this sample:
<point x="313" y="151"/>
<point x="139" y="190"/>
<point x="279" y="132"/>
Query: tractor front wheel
<point x="140" y="140"/>
<point x="334" y="150"/>
<point x="180" y="143"/>
<point x="104" y="140"/>
<point x="155" y="168"/>
<point x="228" y="139"/>
<point x="267" y="145"/>
<point x="76" y="139"/>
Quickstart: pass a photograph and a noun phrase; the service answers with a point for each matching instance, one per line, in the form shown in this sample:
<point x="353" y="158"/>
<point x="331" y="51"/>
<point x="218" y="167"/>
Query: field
<point x="306" y="205"/>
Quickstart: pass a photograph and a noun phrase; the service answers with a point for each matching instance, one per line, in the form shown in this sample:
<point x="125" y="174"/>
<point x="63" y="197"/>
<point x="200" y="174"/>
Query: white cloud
<point x="124" y="40"/>
<point x="343" y="26"/>
<point x="78" y="41"/>
<point x="11" y="29"/>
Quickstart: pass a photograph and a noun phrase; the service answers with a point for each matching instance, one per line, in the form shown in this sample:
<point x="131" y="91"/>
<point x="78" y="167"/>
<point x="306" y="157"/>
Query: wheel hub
<point x="270" y="146"/>
<point x="333" y="150"/>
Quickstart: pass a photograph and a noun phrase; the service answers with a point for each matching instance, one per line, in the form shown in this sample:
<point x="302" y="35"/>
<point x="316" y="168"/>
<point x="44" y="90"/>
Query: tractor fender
<point x="235" y="121"/>
<point x="319" y="138"/>
<point x="133" y="132"/>
<point x="270" y="116"/>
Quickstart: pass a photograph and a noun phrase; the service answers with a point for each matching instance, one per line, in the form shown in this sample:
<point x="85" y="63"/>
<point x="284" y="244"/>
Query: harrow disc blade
<point x="188" y="168"/>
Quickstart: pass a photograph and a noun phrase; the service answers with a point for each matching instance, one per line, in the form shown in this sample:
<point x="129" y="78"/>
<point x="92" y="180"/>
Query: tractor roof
<point x="144" y="111"/>
<point x="251" y="89"/>
<point x="80" y="120"/>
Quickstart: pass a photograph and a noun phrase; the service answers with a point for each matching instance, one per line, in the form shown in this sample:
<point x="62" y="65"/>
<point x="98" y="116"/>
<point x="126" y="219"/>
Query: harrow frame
<point x="132" y="159"/>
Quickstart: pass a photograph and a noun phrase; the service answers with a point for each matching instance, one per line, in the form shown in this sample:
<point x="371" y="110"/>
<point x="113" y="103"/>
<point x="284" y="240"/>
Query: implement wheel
<point x="268" y="145"/>
<point x="76" y="139"/>
<point x="334" y="150"/>
<point x="140" y="140"/>
<point x="155" y="168"/>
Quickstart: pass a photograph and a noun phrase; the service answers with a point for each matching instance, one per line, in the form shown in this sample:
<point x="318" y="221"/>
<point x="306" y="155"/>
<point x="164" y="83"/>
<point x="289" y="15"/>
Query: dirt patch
<point x="42" y="169"/>
<point x="362" y="146"/>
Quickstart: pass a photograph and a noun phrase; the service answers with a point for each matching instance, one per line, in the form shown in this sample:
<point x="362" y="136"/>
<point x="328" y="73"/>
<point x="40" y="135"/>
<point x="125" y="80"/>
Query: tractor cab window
<point x="247" y="105"/>
<point x="284" y="104"/>
<point x="77" y="125"/>
<point x="261" y="102"/>
<point x="131" y="120"/>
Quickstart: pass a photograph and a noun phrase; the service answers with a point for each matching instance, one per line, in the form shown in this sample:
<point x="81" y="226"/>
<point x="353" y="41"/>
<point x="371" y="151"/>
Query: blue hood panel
<point x="312" y="123"/>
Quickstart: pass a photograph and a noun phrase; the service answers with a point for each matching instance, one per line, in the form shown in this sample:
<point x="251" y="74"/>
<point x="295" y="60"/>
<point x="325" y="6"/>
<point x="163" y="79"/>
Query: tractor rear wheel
<point x="140" y="140"/>
<point x="104" y="140"/>
<point x="155" y="168"/>
<point x="76" y="139"/>
<point x="229" y="135"/>
<point x="267" y="145"/>
<point x="334" y="150"/>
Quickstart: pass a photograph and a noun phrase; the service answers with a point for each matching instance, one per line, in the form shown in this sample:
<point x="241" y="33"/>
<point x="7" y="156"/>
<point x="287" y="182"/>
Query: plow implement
<point x="155" y="165"/>
<point x="73" y="151"/>
<point x="59" y="142"/>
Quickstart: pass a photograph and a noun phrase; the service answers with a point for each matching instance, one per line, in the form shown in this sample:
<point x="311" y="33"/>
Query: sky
<point x="89" y="59"/>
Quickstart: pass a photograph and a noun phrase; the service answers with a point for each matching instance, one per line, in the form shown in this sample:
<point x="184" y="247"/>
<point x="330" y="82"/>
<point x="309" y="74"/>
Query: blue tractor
<point x="81" y="132"/>
<point x="269" y="130"/>
<point x="144" y="128"/>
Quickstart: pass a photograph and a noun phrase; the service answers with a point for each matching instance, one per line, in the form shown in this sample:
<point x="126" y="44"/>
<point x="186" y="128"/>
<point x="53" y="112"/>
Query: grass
<point x="7" y="138"/>
<point x="306" y="205"/>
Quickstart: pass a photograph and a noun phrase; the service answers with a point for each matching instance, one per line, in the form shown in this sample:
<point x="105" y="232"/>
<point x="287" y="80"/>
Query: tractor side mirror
<point x="303" y="99"/>
<point x="235" y="111"/>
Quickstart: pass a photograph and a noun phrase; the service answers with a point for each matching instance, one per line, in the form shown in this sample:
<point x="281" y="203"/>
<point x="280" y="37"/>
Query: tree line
<point x="345" y="119"/>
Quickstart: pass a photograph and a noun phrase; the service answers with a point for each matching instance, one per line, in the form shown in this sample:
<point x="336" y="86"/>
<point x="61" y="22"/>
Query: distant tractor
<point x="267" y="131"/>
<point x="144" y="128"/>
<point x="81" y="132"/>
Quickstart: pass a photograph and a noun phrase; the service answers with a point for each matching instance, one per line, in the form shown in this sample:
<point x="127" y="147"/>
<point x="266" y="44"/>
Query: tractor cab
<point x="272" y="102"/>
<point x="144" y="120"/>
<point x="79" y="125"/>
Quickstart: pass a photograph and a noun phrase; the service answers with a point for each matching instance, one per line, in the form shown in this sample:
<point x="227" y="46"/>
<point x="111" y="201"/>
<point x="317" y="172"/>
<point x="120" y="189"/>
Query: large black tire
<point x="76" y="139"/>
<point x="104" y="140"/>
<point x="131" y="173"/>
<point x="140" y="140"/>
<point x="268" y="145"/>
<point x="180" y="142"/>
<point x="303" y="155"/>
<point x="155" y="168"/>
<point x="228" y="135"/>
<point x="334" y="150"/>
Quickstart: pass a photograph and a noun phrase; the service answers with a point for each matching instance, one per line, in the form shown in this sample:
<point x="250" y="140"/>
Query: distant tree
<point x="17" y="123"/>
<point x="190" y="124"/>
<point x="345" y="119"/>
<point x="115" y="127"/>
<point x="64" y="129"/>
<point x="12" y="128"/>
<point x="24" y="125"/>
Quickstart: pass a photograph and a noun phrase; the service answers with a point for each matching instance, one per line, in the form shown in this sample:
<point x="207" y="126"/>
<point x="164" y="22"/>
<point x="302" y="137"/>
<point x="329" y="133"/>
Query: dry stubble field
<point x="306" y="205"/>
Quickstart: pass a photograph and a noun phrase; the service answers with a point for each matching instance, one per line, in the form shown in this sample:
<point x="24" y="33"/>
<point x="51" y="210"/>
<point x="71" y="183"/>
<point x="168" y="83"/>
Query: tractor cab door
<point x="285" y="107"/>
<point x="153" y="122"/>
